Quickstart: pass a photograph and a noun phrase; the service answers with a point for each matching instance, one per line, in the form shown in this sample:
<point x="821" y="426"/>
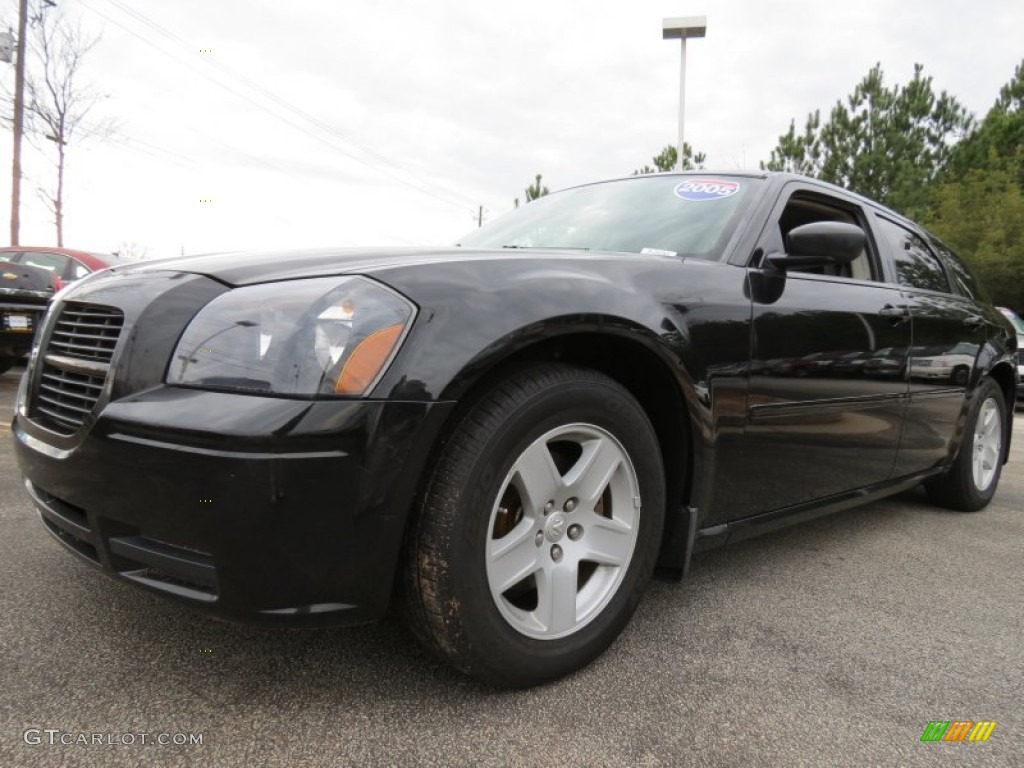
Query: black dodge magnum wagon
<point x="512" y="433"/>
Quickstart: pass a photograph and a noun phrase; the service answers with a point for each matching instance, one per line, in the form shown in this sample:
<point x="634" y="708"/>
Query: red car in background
<point x="68" y="264"/>
<point x="29" y="277"/>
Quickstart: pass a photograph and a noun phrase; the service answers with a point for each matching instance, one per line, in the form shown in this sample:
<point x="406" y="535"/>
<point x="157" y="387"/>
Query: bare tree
<point x="56" y="99"/>
<point x="131" y="250"/>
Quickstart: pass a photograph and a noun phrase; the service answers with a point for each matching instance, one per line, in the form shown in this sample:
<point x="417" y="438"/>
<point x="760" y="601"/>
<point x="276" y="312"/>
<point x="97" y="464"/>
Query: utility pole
<point x="19" y="119"/>
<point x="480" y="217"/>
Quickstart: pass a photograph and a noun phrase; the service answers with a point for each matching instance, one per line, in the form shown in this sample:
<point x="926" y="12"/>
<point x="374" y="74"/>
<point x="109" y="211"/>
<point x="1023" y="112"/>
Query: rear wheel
<point x="539" y="527"/>
<point x="971" y="481"/>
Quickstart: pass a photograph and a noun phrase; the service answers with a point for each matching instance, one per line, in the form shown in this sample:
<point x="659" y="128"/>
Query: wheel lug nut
<point x="549" y="508"/>
<point x="575" y="532"/>
<point x="570" y="505"/>
<point x="539" y="538"/>
<point x="556" y="553"/>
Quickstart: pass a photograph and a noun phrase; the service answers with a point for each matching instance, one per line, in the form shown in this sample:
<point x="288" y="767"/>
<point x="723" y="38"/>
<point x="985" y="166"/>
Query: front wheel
<point x="970" y="482"/>
<point x="539" y="527"/>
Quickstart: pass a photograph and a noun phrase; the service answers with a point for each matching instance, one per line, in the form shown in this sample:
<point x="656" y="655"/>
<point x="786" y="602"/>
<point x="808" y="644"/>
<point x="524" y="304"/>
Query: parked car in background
<point x="68" y="264"/>
<point x="24" y="293"/>
<point x="954" y="363"/>
<point x="1018" y="324"/>
<point x="519" y="428"/>
<point x="888" y="362"/>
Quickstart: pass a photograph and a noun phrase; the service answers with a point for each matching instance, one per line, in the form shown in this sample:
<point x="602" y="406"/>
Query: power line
<point x="437" y="192"/>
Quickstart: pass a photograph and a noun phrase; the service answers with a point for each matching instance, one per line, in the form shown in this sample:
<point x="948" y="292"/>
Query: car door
<point x="819" y="422"/>
<point x="948" y="331"/>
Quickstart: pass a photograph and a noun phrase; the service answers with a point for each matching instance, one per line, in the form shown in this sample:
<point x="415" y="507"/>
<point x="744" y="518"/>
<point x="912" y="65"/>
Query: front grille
<point x="75" y="364"/>
<point x="66" y="398"/>
<point x="86" y="331"/>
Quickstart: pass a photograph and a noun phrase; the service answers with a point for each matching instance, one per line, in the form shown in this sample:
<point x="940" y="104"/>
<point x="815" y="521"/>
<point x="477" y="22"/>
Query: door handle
<point x="974" y="321"/>
<point x="897" y="314"/>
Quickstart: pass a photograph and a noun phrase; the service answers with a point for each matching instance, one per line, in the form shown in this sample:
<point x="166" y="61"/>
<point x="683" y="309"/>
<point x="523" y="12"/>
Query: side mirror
<point x="820" y="244"/>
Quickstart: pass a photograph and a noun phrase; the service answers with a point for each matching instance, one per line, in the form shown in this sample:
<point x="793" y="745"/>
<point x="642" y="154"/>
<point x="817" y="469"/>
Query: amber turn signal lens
<point x="366" y="360"/>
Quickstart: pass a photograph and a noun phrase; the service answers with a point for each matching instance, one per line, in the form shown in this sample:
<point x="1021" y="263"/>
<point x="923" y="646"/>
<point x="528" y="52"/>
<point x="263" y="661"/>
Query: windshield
<point x="670" y="214"/>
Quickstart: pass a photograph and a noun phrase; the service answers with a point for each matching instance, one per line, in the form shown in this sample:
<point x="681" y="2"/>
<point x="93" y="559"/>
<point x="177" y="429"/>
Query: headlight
<point x="325" y="336"/>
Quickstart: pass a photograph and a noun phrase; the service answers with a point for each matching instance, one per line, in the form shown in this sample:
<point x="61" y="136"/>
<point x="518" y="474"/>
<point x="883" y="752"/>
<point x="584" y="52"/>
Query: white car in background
<point x="954" y="363"/>
<point x="1018" y="323"/>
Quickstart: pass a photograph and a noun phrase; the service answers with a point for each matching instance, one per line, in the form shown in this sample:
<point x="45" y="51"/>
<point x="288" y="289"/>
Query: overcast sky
<point x="321" y="123"/>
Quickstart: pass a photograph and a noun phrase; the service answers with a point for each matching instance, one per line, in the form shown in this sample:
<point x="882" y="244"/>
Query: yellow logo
<point x="10" y="276"/>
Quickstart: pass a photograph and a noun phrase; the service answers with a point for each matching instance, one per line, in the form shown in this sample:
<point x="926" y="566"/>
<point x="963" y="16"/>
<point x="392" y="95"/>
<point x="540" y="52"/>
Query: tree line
<point x="925" y="155"/>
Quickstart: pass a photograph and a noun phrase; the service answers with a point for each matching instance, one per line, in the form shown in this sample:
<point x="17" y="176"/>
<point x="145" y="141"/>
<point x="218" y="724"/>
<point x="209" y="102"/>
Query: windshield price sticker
<point x="701" y="190"/>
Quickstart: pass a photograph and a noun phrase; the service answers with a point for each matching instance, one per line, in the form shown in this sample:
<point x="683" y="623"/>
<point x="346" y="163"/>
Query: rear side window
<point x="917" y="265"/>
<point x="77" y="270"/>
<point x="54" y="262"/>
<point x="962" y="277"/>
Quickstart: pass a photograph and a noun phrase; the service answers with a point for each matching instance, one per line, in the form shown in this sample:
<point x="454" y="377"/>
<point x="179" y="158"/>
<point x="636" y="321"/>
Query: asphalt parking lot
<point x="830" y="644"/>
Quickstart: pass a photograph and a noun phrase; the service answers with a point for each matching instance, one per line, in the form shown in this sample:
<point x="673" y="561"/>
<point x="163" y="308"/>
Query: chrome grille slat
<point x="58" y="417"/>
<point x="104" y="316"/>
<point x="75" y="364"/>
<point x="80" y="324"/>
<point x="65" y="404"/>
<point x="92" y="351"/>
<point x="80" y="335"/>
<point x="61" y="381"/>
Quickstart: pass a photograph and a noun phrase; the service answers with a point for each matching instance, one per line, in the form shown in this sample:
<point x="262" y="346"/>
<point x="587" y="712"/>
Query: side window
<point x="917" y="266"/>
<point x="962" y="277"/>
<point x="806" y="208"/>
<point x="55" y="262"/>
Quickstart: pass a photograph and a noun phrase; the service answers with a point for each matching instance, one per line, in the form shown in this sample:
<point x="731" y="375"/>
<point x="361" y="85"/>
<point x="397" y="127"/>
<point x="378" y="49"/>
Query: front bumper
<point x="257" y="508"/>
<point x="253" y="508"/>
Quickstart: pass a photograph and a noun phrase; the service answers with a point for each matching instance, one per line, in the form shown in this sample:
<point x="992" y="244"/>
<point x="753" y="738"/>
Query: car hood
<point x="247" y="268"/>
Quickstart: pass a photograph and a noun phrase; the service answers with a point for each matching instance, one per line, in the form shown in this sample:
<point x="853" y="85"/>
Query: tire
<point x="970" y="482"/>
<point x="959" y="376"/>
<point x="6" y="363"/>
<point x="538" y="529"/>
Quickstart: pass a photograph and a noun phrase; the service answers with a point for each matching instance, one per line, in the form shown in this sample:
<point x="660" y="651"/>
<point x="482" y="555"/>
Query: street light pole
<point x="682" y="28"/>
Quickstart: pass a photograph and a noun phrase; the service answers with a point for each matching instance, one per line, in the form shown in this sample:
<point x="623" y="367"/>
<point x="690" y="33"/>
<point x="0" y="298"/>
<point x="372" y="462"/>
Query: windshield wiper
<point x="548" y="247"/>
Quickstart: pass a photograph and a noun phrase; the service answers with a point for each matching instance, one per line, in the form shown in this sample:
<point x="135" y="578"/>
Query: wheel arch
<point x="1004" y="375"/>
<point x="661" y="389"/>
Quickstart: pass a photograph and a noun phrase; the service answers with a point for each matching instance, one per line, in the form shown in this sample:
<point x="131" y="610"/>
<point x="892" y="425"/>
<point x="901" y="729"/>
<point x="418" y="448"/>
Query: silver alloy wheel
<point x="988" y="444"/>
<point x="562" y="531"/>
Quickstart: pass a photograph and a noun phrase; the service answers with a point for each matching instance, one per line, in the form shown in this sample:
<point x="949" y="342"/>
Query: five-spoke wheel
<point x="562" y="530"/>
<point x="539" y="528"/>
